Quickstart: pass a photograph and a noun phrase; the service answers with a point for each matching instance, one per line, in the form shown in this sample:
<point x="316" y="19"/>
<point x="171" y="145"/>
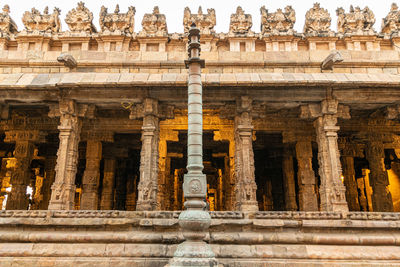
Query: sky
<point x="173" y="9"/>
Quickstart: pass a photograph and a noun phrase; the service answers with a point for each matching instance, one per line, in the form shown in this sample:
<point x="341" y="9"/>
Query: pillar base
<point x="193" y="253"/>
<point x="253" y="206"/>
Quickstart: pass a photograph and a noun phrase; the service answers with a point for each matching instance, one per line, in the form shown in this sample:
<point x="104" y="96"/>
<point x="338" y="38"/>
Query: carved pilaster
<point x="148" y="184"/>
<point x="378" y="177"/>
<point x="288" y="178"/>
<point x="246" y="187"/>
<point x="107" y="195"/>
<point x="63" y="189"/>
<point x="21" y="175"/>
<point x="49" y="176"/>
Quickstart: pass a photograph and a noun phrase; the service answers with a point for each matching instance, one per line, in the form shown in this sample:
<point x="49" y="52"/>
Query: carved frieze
<point x="154" y="24"/>
<point x="391" y="23"/>
<point x="36" y="22"/>
<point x="278" y="23"/>
<point x="117" y="22"/>
<point x="318" y="22"/>
<point x="80" y="19"/>
<point x="241" y="23"/>
<point x="7" y="24"/>
<point x="356" y="22"/>
<point x="205" y="22"/>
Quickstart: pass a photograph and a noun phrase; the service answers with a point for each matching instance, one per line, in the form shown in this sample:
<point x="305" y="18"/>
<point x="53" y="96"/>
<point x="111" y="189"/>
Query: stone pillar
<point x="21" y="176"/>
<point x="305" y="175"/>
<point x="107" y="195"/>
<point x="288" y="178"/>
<point x="63" y="189"/>
<point x="332" y="190"/>
<point x="49" y="176"/>
<point x="148" y="183"/>
<point x="349" y="151"/>
<point x="378" y="177"/>
<point x="91" y="176"/>
<point x="246" y="187"/>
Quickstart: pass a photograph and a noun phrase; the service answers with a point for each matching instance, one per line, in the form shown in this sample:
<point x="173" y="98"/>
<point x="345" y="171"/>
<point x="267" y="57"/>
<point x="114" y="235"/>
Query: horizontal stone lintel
<point x="86" y="80"/>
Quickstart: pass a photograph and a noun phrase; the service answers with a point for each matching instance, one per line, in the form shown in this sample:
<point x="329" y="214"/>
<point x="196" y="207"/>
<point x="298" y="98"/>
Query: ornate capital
<point x="116" y="22"/>
<point x="149" y="107"/>
<point x="33" y="136"/>
<point x="326" y="107"/>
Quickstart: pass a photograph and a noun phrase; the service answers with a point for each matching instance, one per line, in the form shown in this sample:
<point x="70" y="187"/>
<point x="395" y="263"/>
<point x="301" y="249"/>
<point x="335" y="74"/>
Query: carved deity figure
<point x="391" y="23"/>
<point x="80" y="19"/>
<point x="7" y="25"/>
<point x="205" y="22"/>
<point x="317" y="21"/>
<point x="278" y="23"/>
<point x="117" y="22"/>
<point x="34" y="21"/>
<point x="240" y="23"/>
<point x="154" y="24"/>
<point x="356" y="22"/>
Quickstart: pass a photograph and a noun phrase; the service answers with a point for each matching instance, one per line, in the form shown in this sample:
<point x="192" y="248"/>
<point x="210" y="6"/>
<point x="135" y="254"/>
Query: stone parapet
<point x="105" y="238"/>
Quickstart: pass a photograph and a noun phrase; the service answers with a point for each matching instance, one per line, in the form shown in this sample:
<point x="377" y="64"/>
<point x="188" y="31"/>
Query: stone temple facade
<point x="301" y="138"/>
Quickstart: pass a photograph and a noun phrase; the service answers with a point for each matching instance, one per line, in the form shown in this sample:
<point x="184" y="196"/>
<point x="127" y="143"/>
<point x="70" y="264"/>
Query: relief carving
<point x="241" y="23"/>
<point x="7" y="24"/>
<point x="317" y="22"/>
<point x="205" y="22"/>
<point x="36" y="22"/>
<point x="80" y="19"/>
<point x="279" y="22"/>
<point x="117" y="22"/>
<point x="391" y="23"/>
<point x="356" y="22"/>
<point x="154" y="24"/>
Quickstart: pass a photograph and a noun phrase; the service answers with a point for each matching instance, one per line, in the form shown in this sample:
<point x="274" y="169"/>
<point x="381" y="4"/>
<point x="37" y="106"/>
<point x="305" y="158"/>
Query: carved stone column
<point x="244" y="158"/>
<point x="63" y="189"/>
<point x="21" y="176"/>
<point x="91" y="176"/>
<point x="107" y="195"/>
<point x="49" y="176"/>
<point x="148" y="184"/>
<point x="288" y="178"/>
<point x="332" y="190"/>
<point x="349" y="151"/>
<point x="378" y="177"/>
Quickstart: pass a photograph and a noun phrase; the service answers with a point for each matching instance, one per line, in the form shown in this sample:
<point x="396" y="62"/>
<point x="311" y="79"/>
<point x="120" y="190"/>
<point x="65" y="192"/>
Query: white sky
<point x="173" y="9"/>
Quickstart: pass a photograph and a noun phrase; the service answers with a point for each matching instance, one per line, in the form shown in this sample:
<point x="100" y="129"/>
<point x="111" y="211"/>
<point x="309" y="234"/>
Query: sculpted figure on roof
<point x="279" y="22"/>
<point x="240" y="22"/>
<point x="356" y="22"/>
<point x="80" y="19"/>
<point x="205" y="22"/>
<point x="34" y="21"/>
<point x="391" y="23"/>
<point x="317" y="21"/>
<point x="117" y="22"/>
<point x="154" y="24"/>
<point x="7" y="25"/>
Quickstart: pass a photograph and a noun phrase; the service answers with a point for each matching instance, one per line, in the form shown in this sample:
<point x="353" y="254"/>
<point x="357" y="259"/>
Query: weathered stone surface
<point x="35" y="22"/>
<point x="356" y="22"/>
<point x="205" y="22"/>
<point x="154" y="24"/>
<point x="279" y="22"/>
<point x="116" y="22"/>
<point x="80" y="19"/>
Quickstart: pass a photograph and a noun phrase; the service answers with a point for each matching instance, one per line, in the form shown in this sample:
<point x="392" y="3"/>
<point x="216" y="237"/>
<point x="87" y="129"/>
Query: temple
<point x="301" y="138"/>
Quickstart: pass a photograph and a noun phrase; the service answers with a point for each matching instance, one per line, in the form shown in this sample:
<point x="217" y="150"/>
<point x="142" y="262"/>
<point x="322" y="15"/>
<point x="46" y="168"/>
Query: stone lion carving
<point x="278" y="23"/>
<point x="356" y="22"/>
<point x="241" y="23"/>
<point x="205" y="22"/>
<point x="34" y="21"/>
<point x="80" y="19"/>
<point x="391" y="23"/>
<point x="117" y="22"/>
<point x="7" y="24"/>
<point x="317" y="21"/>
<point x="154" y="24"/>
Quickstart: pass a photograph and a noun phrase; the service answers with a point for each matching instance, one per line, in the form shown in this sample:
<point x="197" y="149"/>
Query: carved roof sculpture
<point x="154" y="24"/>
<point x="356" y="22"/>
<point x="36" y="22"/>
<point x="117" y="22"/>
<point x="318" y="22"/>
<point x="205" y="22"/>
<point x="80" y="19"/>
<point x="7" y="24"/>
<point x="279" y="22"/>
<point x="391" y="23"/>
<point x="241" y="23"/>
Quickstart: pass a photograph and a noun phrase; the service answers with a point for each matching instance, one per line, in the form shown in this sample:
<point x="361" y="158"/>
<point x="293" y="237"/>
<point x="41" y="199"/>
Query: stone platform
<point x="120" y="238"/>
